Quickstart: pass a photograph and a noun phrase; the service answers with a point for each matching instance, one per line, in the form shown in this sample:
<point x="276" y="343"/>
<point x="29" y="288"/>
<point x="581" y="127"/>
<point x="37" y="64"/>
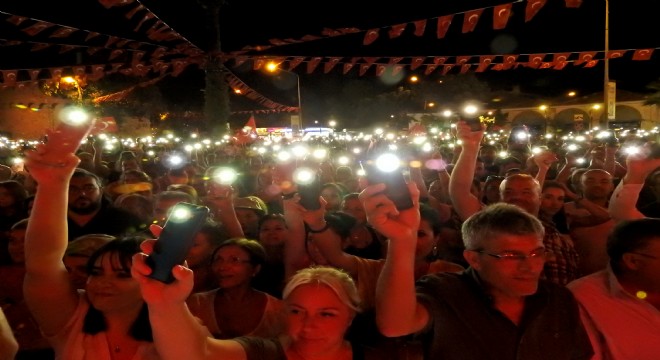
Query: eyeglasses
<point x="85" y="188"/>
<point x="231" y="261"/>
<point x="540" y="254"/>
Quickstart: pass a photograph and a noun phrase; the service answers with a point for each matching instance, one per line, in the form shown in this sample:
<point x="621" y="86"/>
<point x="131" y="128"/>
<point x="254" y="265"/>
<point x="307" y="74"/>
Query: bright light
<point x="447" y="113"/>
<point x="387" y="162"/>
<point x="470" y="109"/>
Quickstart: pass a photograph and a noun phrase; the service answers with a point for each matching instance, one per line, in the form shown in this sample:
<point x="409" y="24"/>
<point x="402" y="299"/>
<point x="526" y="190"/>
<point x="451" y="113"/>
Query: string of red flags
<point x="237" y="84"/>
<point x="120" y="95"/>
<point x="500" y="13"/>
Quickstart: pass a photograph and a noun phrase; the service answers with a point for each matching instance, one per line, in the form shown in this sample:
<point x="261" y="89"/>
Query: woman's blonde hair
<point x="338" y="280"/>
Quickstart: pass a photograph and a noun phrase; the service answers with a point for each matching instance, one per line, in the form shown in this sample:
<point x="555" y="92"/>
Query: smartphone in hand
<point x="308" y="183"/>
<point x="176" y="239"/>
<point x="385" y="169"/>
<point x="73" y="127"/>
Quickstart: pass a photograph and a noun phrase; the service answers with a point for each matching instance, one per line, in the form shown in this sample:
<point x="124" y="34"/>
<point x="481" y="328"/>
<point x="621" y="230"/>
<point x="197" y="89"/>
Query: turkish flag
<point x="585" y="57"/>
<point x="98" y="71"/>
<point x="364" y="68"/>
<point x="397" y="69"/>
<point x="105" y="124"/>
<point x="535" y="60"/>
<point x="446" y="69"/>
<point x="591" y="63"/>
<point x="313" y="63"/>
<point x="397" y="30"/>
<point x="416" y="62"/>
<point x="16" y="20"/>
<point x="501" y="14"/>
<point x="63" y="32"/>
<point x="38" y="27"/>
<point x="470" y="19"/>
<point x="613" y="54"/>
<point x="56" y="73"/>
<point x="395" y="60"/>
<point x="498" y="67"/>
<point x="430" y="69"/>
<point x="509" y="61"/>
<point x="533" y="7"/>
<point x="443" y="25"/>
<point x="370" y="36"/>
<point x="380" y="70"/>
<point x="347" y="67"/>
<point x="484" y="62"/>
<point x="439" y="60"/>
<point x="420" y="27"/>
<point x="295" y="62"/>
<point x="642" y="54"/>
<point x="110" y="3"/>
<point x="560" y="58"/>
<point x="460" y="60"/>
<point x="328" y="32"/>
<point x="9" y="77"/>
<point x="331" y="64"/>
<point x="258" y="63"/>
<point x="465" y="68"/>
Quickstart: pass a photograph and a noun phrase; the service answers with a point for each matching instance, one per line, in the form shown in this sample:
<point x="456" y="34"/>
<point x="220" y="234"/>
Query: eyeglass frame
<point x="510" y="256"/>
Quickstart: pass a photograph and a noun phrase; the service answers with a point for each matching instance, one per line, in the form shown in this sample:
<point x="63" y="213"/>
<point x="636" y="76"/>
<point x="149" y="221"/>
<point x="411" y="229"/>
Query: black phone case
<point x="396" y="188"/>
<point x="175" y="241"/>
<point x="309" y="194"/>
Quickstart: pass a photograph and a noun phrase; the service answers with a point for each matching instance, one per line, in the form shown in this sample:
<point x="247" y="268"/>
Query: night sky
<point x="249" y="23"/>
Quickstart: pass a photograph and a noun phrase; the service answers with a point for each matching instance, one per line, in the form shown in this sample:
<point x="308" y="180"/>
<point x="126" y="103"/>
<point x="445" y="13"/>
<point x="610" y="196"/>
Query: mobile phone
<point x="73" y="127"/>
<point x="176" y="239"/>
<point x="396" y="188"/>
<point x="309" y="188"/>
<point x="473" y="123"/>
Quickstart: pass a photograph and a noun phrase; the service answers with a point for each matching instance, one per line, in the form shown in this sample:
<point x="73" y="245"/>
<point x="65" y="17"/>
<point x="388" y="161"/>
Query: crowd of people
<point x="531" y="255"/>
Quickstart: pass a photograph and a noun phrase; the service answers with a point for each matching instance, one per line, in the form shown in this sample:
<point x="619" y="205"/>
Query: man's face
<point x="84" y="195"/>
<point x="509" y="277"/>
<point x="521" y="191"/>
<point x="597" y="184"/>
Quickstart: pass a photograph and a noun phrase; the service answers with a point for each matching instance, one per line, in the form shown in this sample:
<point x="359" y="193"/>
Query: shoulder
<point x="444" y="266"/>
<point x="261" y="348"/>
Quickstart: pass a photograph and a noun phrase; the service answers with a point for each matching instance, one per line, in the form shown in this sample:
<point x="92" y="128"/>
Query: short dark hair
<point x="255" y="250"/>
<point x="82" y="173"/>
<point x="629" y="236"/>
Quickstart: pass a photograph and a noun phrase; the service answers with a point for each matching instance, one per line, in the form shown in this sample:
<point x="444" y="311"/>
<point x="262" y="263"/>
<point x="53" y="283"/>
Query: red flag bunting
<point x="56" y="73"/>
<point x="79" y="70"/>
<point x="239" y="60"/>
<point x="364" y="68"/>
<point x="349" y="30"/>
<point x="446" y="69"/>
<point x="591" y="64"/>
<point x="420" y="27"/>
<point x="40" y="46"/>
<point x="465" y="68"/>
<point x="34" y="74"/>
<point x="66" y="48"/>
<point x="642" y="54"/>
<point x="430" y="69"/>
<point x="484" y="62"/>
<point x="115" y="53"/>
<point x="470" y="20"/>
<point x="92" y="35"/>
<point x="277" y="42"/>
<point x="313" y="63"/>
<point x="397" y="30"/>
<point x="439" y="60"/>
<point x="416" y="62"/>
<point x="9" y="77"/>
<point x="395" y="60"/>
<point x="613" y="54"/>
<point x="129" y="15"/>
<point x="178" y="67"/>
<point x="16" y="20"/>
<point x="370" y="36"/>
<point x="348" y="66"/>
<point x="258" y="63"/>
<point x="380" y="70"/>
<point x="370" y="60"/>
<point x="546" y="65"/>
<point x="397" y="69"/>
<point x="560" y="58"/>
<point x="443" y="25"/>
<point x="501" y="14"/>
<point x="535" y="60"/>
<point x="97" y="72"/>
<point x="509" y="61"/>
<point x="533" y="7"/>
<point x="63" y="32"/>
<point x="560" y="65"/>
<point x="328" y="32"/>
<point x="585" y="57"/>
<point x="498" y="67"/>
<point x="460" y="60"/>
<point x="330" y="64"/>
<point x="295" y="62"/>
<point x="38" y="27"/>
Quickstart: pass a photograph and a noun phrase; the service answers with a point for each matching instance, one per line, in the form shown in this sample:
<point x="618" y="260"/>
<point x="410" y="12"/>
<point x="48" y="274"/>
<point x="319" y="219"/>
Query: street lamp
<point x="273" y="67"/>
<point x="70" y="80"/>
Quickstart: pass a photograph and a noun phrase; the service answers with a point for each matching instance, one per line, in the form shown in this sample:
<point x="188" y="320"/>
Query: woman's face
<point x="426" y="240"/>
<point x="355" y="208"/>
<point x="249" y="221"/>
<point x="332" y="197"/>
<point x="232" y="267"/>
<point x="272" y="232"/>
<point x="317" y="319"/>
<point x="110" y="288"/>
<point x="552" y="201"/>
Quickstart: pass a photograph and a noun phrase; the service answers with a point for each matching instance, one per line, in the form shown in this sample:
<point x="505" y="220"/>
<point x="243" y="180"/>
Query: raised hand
<point x="383" y="215"/>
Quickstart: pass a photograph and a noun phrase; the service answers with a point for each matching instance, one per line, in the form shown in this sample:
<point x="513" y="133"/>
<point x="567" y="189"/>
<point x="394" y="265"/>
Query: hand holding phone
<point x="309" y="188"/>
<point x="73" y="127"/>
<point x="176" y="239"/>
<point x="385" y="169"/>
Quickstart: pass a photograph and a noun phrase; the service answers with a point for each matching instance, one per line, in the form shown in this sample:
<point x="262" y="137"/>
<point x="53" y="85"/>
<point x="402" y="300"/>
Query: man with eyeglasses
<point x="91" y="213"/>
<point x="620" y="306"/>
<point x="523" y="190"/>
<point x="497" y="309"/>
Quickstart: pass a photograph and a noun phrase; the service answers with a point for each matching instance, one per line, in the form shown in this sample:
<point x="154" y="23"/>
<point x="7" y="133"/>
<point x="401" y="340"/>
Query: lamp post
<point x="273" y="67"/>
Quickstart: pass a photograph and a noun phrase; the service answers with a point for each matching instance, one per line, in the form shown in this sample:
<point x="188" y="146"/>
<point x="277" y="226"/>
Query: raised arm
<point x="49" y="294"/>
<point x="397" y="311"/>
<point x="465" y="204"/>
<point x="220" y="199"/>
<point x="8" y="343"/>
<point x="623" y="202"/>
<point x="177" y="333"/>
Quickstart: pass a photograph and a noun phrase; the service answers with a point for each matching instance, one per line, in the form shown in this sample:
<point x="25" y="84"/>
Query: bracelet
<point x="288" y="196"/>
<point x="326" y="227"/>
